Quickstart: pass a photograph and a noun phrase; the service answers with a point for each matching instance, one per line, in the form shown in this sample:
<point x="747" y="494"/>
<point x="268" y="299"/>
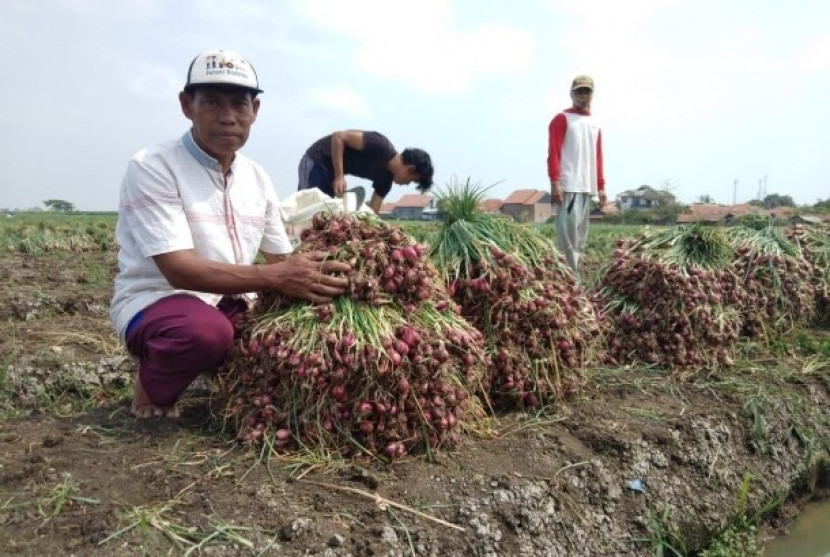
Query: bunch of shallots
<point x="814" y="242"/>
<point x="777" y="291"/>
<point x="664" y="301"/>
<point x="540" y="327"/>
<point x="386" y="370"/>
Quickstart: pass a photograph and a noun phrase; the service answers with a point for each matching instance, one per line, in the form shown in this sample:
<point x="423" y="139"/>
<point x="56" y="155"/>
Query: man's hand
<point x="556" y="193"/>
<point x="310" y="276"/>
<point x="603" y="199"/>
<point x="339" y="186"/>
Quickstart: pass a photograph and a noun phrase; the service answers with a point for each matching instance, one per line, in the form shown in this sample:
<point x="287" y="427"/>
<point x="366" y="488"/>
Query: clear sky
<point x="691" y="94"/>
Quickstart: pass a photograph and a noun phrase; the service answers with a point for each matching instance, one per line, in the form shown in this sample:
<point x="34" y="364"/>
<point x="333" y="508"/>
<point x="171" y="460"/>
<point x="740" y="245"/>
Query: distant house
<point x="644" y="197"/>
<point x="702" y="212"/>
<point x="712" y="213"/>
<point x="528" y="206"/>
<point x="386" y="210"/>
<point x="491" y="206"/>
<point x="413" y="206"/>
<point x="743" y="209"/>
<point x="782" y="212"/>
<point x="430" y="214"/>
<point x="810" y="219"/>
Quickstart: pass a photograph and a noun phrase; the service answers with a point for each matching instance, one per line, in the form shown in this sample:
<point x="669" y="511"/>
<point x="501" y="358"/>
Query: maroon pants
<point x="177" y="338"/>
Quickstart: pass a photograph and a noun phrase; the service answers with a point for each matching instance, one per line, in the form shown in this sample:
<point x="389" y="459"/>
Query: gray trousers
<point x="572" y="226"/>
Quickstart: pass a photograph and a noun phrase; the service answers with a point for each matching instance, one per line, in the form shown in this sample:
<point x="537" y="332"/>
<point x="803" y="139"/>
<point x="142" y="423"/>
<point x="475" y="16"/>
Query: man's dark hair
<point x="423" y="166"/>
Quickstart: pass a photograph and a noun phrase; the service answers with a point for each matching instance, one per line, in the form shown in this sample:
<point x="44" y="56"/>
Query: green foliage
<point x="601" y="236"/>
<point x="739" y="539"/>
<point x="754" y="408"/>
<point x="59" y="205"/>
<point x="766" y="240"/>
<point x="37" y="233"/>
<point x="755" y="221"/>
<point x="461" y="200"/>
<point x="664" y="535"/>
<point x="662" y="215"/>
<point x="667" y="213"/>
<point x="468" y="235"/>
<point x="740" y="536"/>
<point x="422" y="232"/>
<point x="809" y="343"/>
<point x="774" y="200"/>
<point x="684" y="246"/>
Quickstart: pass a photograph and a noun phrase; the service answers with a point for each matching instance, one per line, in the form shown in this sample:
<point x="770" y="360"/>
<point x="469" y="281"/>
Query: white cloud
<point x="341" y="98"/>
<point x="696" y="91"/>
<point x="112" y="9"/>
<point x="153" y="82"/>
<point x="417" y="45"/>
<point x="815" y="55"/>
<point x="449" y="62"/>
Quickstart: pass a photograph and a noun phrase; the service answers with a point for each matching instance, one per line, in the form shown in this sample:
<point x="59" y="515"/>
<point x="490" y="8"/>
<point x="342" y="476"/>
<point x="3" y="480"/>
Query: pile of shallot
<point x="814" y="242"/>
<point x="663" y="300"/>
<point x="775" y="282"/>
<point x="540" y="327"/>
<point x="386" y="370"/>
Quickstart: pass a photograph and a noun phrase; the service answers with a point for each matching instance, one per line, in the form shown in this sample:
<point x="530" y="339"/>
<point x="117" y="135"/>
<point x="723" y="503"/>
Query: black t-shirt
<point x="369" y="163"/>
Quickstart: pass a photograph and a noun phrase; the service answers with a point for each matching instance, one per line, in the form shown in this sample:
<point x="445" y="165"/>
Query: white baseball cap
<point x="222" y="67"/>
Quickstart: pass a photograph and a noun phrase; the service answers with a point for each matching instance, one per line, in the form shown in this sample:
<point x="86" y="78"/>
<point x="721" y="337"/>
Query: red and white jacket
<point x="575" y="152"/>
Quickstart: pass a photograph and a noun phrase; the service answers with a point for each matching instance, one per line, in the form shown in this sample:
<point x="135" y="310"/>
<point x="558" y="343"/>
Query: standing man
<point x="365" y="154"/>
<point x="192" y="217"/>
<point x="575" y="169"/>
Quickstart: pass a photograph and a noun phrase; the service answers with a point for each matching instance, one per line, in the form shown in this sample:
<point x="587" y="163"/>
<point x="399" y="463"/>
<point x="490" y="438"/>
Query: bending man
<point x="365" y="154"/>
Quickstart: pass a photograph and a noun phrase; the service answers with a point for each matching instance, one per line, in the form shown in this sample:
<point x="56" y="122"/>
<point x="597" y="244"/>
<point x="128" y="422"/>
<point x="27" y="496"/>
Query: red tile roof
<point x="414" y="200"/>
<point x="743" y="209"/>
<point x="491" y="205"/>
<point x="524" y="197"/>
<point x="386" y="209"/>
<point x="690" y="217"/>
<point x="710" y="212"/>
<point x="782" y="211"/>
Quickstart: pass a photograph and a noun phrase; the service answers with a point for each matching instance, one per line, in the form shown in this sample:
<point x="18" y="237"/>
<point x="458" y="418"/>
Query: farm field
<point x="640" y="460"/>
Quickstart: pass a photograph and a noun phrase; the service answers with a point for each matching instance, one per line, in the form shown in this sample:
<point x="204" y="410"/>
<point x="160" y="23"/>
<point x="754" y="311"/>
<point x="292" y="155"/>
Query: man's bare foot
<point x="144" y="408"/>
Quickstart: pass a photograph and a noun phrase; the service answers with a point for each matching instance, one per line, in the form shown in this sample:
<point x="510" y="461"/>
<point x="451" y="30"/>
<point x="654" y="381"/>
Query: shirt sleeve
<point x="382" y="187"/>
<point x="152" y="209"/>
<point x="556" y="138"/>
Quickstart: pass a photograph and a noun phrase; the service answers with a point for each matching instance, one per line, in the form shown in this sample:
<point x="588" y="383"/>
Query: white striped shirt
<point x="174" y="197"/>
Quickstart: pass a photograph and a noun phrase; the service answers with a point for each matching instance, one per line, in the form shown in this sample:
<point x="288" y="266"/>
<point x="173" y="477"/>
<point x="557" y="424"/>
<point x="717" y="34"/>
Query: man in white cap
<point x="575" y="169"/>
<point x="193" y="215"/>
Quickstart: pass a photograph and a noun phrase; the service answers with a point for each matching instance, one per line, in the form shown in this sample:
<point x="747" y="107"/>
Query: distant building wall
<point x="407" y="212"/>
<point x="539" y="212"/>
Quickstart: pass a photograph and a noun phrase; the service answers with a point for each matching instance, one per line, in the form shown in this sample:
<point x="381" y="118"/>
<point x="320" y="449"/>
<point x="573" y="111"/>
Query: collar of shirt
<point x="574" y="110"/>
<point x="201" y="157"/>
